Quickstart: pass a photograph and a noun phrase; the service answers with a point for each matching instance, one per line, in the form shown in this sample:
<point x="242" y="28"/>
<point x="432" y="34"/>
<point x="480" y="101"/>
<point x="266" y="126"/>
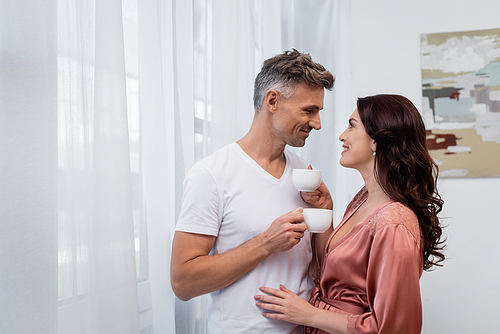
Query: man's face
<point x="296" y="116"/>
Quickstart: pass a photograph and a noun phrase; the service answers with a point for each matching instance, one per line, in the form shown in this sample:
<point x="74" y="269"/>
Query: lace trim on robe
<point x="395" y="213"/>
<point x="351" y="323"/>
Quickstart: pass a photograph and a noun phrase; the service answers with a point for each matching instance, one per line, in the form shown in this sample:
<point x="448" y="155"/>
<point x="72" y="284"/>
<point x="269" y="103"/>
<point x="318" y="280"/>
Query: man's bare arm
<point x="194" y="272"/>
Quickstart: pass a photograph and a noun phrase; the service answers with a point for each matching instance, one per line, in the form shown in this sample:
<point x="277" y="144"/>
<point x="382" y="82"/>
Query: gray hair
<point x="285" y="71"/>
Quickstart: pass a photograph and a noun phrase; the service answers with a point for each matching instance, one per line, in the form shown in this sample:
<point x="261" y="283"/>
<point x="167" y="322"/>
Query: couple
<point x="232" y="239"/>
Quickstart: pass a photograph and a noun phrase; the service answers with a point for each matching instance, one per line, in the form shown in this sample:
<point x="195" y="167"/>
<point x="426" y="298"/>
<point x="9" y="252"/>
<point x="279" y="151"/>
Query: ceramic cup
<point x="317" y="220"/>
<point x="306" y="179"/>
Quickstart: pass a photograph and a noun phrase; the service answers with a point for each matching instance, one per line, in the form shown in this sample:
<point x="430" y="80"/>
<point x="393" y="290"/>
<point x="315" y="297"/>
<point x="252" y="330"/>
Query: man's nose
<point x="315" y="122"/>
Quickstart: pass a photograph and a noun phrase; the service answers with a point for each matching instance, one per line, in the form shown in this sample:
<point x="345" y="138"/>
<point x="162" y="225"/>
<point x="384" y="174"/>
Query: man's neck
<point x="266" y="152"/>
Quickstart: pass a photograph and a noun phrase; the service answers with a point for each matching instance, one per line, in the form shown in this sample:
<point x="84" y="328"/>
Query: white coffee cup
<point x="306" y="179"/>
<point x="317" y="220"/>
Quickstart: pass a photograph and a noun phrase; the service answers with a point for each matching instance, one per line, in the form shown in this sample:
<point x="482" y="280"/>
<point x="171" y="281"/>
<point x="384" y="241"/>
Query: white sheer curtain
<point x="68" y="254"/>
<point x="104" y="107"/>
<point x="28" y="164"/>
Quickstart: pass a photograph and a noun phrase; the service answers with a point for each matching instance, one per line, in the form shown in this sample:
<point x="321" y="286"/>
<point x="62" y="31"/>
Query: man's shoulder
<point x="217" y="158"/>
<point x="224" y="150"/>
<point x="214" y="164"/>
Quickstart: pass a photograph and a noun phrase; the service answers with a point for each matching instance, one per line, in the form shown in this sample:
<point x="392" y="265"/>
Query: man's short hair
<point x="285" y="71"/>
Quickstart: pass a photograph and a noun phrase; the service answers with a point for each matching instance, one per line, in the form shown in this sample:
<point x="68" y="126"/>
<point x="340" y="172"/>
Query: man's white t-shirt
<point x="228" y="195"/>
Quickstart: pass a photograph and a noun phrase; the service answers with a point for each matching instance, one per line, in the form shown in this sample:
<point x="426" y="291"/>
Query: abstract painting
<point x="461" y="101"/>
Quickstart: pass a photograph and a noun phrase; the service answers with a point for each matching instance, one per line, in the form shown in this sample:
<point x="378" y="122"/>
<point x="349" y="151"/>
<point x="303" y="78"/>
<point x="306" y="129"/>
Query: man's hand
<point x="285" y="232"/>
<point x="194" y="272"/>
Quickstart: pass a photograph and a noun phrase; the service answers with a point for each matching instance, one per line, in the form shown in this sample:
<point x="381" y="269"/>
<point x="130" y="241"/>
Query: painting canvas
<point x="461" y="101"/>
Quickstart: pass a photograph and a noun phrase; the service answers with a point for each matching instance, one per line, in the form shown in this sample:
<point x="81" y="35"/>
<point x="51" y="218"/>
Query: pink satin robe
<point x="373" y="273"/>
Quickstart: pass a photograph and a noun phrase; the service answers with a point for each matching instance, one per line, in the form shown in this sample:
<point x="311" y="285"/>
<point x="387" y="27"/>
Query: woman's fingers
<point x="283" y="304"/>
<point x="283" y="288"/>
<point x="270" y="307"/>
<point x="272" y="291"/>
<point x="274" y="299"/>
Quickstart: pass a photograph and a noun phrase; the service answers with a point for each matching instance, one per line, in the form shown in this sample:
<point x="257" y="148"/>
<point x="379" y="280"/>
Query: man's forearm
<point x="194" y="272"/>
<point x="203" y="273"/>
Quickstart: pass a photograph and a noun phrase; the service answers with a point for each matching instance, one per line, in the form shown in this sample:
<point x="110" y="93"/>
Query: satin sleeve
<point x="393" y="274"/>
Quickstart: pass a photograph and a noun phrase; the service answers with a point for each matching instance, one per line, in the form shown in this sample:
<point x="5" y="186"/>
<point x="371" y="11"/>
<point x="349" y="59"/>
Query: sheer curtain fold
<point x="113" y="281"/>
<point x="157" y="106"/>
<point x="97" y="223"/>
<point x="104" y="107"/>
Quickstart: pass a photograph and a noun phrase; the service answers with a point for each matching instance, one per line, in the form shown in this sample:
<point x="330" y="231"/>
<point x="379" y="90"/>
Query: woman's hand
<point x="286" y="305"/>
<point x="320" y="198"/>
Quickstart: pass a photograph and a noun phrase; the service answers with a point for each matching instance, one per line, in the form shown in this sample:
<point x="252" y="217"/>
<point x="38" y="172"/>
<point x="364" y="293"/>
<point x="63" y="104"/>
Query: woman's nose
<point x="342" y="136"/>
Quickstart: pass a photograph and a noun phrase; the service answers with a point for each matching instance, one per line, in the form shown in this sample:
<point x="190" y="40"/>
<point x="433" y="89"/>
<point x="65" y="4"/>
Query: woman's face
<point x="357" y="146"/>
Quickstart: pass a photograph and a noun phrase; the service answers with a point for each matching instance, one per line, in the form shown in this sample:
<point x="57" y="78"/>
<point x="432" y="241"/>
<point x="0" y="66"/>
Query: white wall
<point x="462" y="296"/>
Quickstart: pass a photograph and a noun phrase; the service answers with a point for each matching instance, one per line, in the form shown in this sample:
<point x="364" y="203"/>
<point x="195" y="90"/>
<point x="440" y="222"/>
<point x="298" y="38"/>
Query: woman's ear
<point x="374" y="147"/>
<point x="271" y="100"/>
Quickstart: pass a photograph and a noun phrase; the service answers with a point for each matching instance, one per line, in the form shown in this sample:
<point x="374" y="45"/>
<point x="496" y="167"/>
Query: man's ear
<point x="271" y="100"/>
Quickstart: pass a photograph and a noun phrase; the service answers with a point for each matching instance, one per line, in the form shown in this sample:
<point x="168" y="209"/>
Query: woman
<point x="372" y="262"/>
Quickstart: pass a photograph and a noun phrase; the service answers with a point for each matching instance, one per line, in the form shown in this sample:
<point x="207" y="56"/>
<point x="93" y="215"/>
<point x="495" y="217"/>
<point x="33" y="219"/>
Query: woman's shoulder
<point x="356" y="201"/>
<point x="395" y="214"/>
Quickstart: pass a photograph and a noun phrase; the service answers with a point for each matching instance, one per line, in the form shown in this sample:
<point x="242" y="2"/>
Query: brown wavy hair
<point x="403" y="165"/>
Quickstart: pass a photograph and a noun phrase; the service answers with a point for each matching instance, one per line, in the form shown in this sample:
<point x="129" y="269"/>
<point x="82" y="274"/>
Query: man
<point x="241" y="226"/>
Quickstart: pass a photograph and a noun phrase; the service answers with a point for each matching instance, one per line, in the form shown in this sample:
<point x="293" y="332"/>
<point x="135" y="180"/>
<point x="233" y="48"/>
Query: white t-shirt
<point x="228" y="195"/>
